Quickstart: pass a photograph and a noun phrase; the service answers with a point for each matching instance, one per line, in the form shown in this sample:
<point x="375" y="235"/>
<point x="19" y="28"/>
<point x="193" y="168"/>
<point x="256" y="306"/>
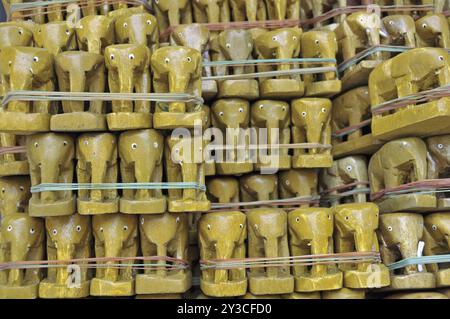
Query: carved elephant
<point x="141" y="155"/>
<point x="298" y="183"/>
<point x="21" y="240"/>
<point x="438" y="156"/>
<point x="222" y="236"/>
<point x="211" y="11"/>
<point x="314" y="8"/>
<point x="139" y="28"/>
<point x="401" y="30"/>
<point x="80" y="71"/>
<point x="129" y="71"/>
<point x="349" y="109"/>
<point x="56" y="37"/>
<point x="223" y="189"/>
<point x="268" y="238"/>
<point x="248" y="10"/>
<point x="311" y="233"/>
<point x="95" y="33"/>
<point x="255" y="187"/>
<point x="283" y="43"/>
<point x="232" y="117"/>
<point x="399" y="236"/>
<point x="344" y="171"/>
<point x="68" y="237"/>
<point x="398" y="162"/>
<point x="172" y="12"/>
<point x="185" y="163"/>
<point x="355" y="230"/>
<point x="433" y="31"/>
<point x="51" y="157"/>
<point x="14" y="194"/>
<point x="382" y="86"/>
<point x="283" y="9"/>
<point x="274" y="116"/>
<point x="122" y="9"/>
<point x="12" y="163"/>
<point x="115" y="235"/>
<point x="311" y="118"/>
<point x="164" y="235"/>
<point x="97" y="164"/>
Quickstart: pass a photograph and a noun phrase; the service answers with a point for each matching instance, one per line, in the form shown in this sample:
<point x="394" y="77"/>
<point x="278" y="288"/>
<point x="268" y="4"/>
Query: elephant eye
<point x="177" y="220"/>
<point x="149" y="22"/>
<point x="288" y="183"/>
<point x="304" y="114"/>
<point x="36" y="144"/>
<point x="125" y="25"/>
<point x="261" y="106"/>
<point x="349" y="168"/>
<point x="131" y="56"/>
<point x="86" y="143"/>
<point x="347" y="218"/>
<point x="142" y="221"/>
<point x="111" y="57"/>
<point x="209" y="227"/>
<point x="54" y="232"/>
<point x="361" y="19"/>
<point x="65" y="143"/>
<point x="220" y="113"/>
<point x="9" y="228"/>
<point x="274" y="38"/>
<point x="9" y="63"/>
<point x="241" y="226"/>
<point x="155" y="145"/>
<point x="125" y="228"/>
<point x="284" y="108"/>
<point x="317" y="41"/>
<point x="32" y="231"/>
<point x="177" y="150"/>
<point x="297" y="219"/>
<point x="101" y="229"/>
<point x="180" y="34"/>
<point x="391" y="22"/>
<point x="134" y="146"/>
<point x="21" y="188"/>
<point x="389" y="228"/>
<point x="78" y="228"/>
<point x="20" y="31"/>
<point x="3" y="190"/>
<point x="228" y="45"/>
<point x="241" y="110"/>
<point x="324" y="110"/>
<point x="440" y="146"/>
<point x="35" y="59"/>
<point x="329" y="216"/>
<point x="424" y="25"/>
<point x="434" y="227"/>
<point x="294" y="38"/>
<point x="256" y="226"/>
<point x="441" y="58"/>
<point x="67" y="32"/>
<point x="189" y="59"/>
<point x="166" y="61"/>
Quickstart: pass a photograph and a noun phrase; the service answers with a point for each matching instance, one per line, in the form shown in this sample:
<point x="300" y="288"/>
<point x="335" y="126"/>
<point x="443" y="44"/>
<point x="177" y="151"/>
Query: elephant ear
<point x="198" y="64"/>
<point x="260" y="41"/>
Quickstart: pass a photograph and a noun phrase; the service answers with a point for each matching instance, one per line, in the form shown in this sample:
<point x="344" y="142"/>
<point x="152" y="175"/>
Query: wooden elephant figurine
<point x="232" y="117"/>
<point x="256" y="187"/>
<point x="97" y="164"/>
<point x="248" y="10"/>
<point x="284" y="43"/>
<point x="115" y="236"/>
<point x="355" y="230"/>
<point x="129" y="71"/>
<point x="222" y="236"/>
<point x="138" y="28"/>
<point x="12" y="163"/>
<point x="14" y="194"/>
<point x="141" y="156"/>
<point x="211" y="11"/>
<point x="401" y="30"/>
<point x="68" y="237"/>
<point x="234" y="45"/>
<point x="223" y="190"/>
<point x="283" y="9"/>
<point x="16" y="64"/>
<point x="177" y="70"/>
<point x="346" y="171"/>
<point x="399" y="236"/>
<point x="311" y="119"/>
<point x="433" y="31"/>
<point x="80" y="71"/>
<point x="51" y="157"/>
<point x="271" y="119"/>
<point x="320" y="45"/>
<point x="95" y="33"/>
<point x="166" y="236"/>
<point x="311" y="233"/>
<point x="438" y="159"/>
<point x="298" y="183"/>
<point x="56" y="37"/>
<point x="185" y="163"/>
<point x="170" y="13"/>
<point x="268" y="238"/>
<point x="22" y="240"/>
<point x="437" y="242"/>
<point x="310" y="9"/>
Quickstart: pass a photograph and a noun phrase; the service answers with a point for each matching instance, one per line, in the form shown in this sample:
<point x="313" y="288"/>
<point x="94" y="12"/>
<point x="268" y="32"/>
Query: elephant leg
<point x="329" y="76"/>
<point x="99" y="253"/>
<point x="148" y="249"/>
<point x="51" y="255"/>
<point x="299" y="251"/>
<point x="298" y="136"/>
<point x="317" y="10"/>
<point x="83" y="177"/>
<point x="354" y="118"/>
<point x="261" y="14"/>
<point x="111" y="177"/>
<point x="293" y="11"/>
<point x="128" y="176"/>
<point x="127" y="272"/>
<point x="157" y="178"/>
<point x="308" y="78"/>
<point x="238" y="11"/>
<point x="326" y="139"/>
<point x="143" y="86"/>
<point x="36" y="254"/>
<point x="198" y="14"/>
<point x="97" y="83"/>
<point x="285" y="138"/>
<point x="67" y="177"/>
<point x="114" y="88"/>
<point x="343" y="245"/>
<point x="8" y="140"/>
<point x="348" y="49"/>
<point x="44" y="106"/>
<point x="238" y="273"/>
<point x="319" y="246"/>
<point x="186" y="16"/>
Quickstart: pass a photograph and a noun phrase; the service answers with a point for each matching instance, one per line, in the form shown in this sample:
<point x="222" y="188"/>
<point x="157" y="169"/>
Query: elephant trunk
<point x="112" y="250"/>
<point x="126" y="85"/>
<point x="280" y="9"/>
<point x="373" y="38"/>
<point x="251" y="8"/>
<point x="190" y="175"/>
<point x="410" y="39"/>
<point x="174" y="16"/>
<point x="271" y="249"/>
<point x="64" y="251"/>
<point x="273" y="136"/>
<point x="224" y="250"/>
<point x="319" y="246"/>
<point x="364" y="243"/>
<point x="314" y="134"/>
<point x="138" y="37"/>
<point x="19" y="251"/>
<point x="408" y="249"/>
<point x="162" y="252"/>
<point x="20" y="81"/>
<point x="77" y="84"/>
<point x="144" y="169"/>
<point x="178" y="84"/>
<point x="213" y="12"/>
<point x="94" y="46"/>
<point x="49" y="174"/>
<point x="283" y="53"/>
<point x="98" y="171"/>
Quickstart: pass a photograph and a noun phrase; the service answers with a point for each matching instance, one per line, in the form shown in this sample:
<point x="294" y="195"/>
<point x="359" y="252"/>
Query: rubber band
<point x="47" y="187"/>
<point x="345" y="186"/>
<point x="12" y="150"/>
<point x="351" y="129"/>
<point x="267" y="61"/>
<point x="423" y="260"/>
<point x="269" y="146"/>
<point x="429" y="185"/>
<point x="272" y="202"/>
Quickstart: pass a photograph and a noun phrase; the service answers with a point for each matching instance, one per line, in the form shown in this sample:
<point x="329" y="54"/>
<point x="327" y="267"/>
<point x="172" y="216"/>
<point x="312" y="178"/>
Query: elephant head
<point x="97" y="163"/>
<point x="255" y="187"/>
<point x="401" y="30"/>
<point x="51" y="158"/>
<point x="169" y="12"/>
<point x="68" y="237"/>
<point x="438" y="155"/>
<point x="236" y="45"/>
<point x="366" y="27"/>
<point x="268" y="238"/>
<point x="14" y="34"/>
<point x="231" y="114"/>
<point x="139" y="28"/>
<point x="28" y="69"/>
<point x="95" y="33"/>
<point x="437" y="226"/>
<point x="222" y="236"/>
<point x="272" y="115"/>
<point x="56" y="37"/>
<point x="211" y="11"/>
<point x="319" y="44"/>
<point x="116" y="235"/>
<point x="223" y="189"/>
<point x="14" y="194"/>
<point x="177" y="70"/>
<point x="298" y="183"/>
<point x="194" y="36"/>
<point x="22" y="239"/>
<point x="433" y="31"/>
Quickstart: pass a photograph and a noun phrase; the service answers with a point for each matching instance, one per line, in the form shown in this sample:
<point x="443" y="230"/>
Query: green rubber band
<point x="436" y="259"/>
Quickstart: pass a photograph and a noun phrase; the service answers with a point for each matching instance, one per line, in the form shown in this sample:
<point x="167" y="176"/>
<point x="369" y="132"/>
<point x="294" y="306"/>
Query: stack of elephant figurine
<point x="107" y="183"/>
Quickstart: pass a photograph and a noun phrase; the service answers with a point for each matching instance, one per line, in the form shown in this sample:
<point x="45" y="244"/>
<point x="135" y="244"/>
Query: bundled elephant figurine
<point x="51" y="158"/>
<point x="258" y="187"/>
<point x="248" y="10"/>
<point x="68" y="237"/>
<point x="115" y="236"/>
<point x="56" y="37"/>
<point x="97" y="164"/>
<point x="13" y="164"/>
<point x="95" y="33"/>
<point x="222" y="236"/>
<point x="355" y="226"/>
<point x="268" y="238"/>
<point x="14" y="195"/>
<point x="138" y="28"/>
<point x="21" y="240"/>
<point x="165" y="236"/>
<point x="223" y="189"/>
<point x="170" y="13"/>
<point x="433" y="31"/>
<point x="311" y="119"/>
<point x="298" y="183"/>
<point x="401" y="31"/>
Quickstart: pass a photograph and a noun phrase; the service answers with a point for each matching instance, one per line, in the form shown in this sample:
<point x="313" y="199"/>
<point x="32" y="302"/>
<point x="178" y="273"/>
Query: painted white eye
<point x="294" y="38"/>
<point x="149" y="22"/>
<point x="220" y="113"/>
<point x="347" y="218"/>
<point x="261" y="106"/>
<point x="35" y="59"/>
<point x="361" y="19"/>
<point x="3" y="190"/>
<point x="21" y="188"/>
<point x="177" y="220"/>
<point x="274" y="38"/>
<point x="111" y="57"/>
<point x="155" y="145"/>
<point x="131" y="56"/>
<point x="440" y="146"/>
<point x="256" y="226"/>
<point x="349" y="168"/>
<point x="142" y="221"/>
<point x="241" y="226"/>
<point x="304" y="114"/>
<point x="32" y="231"/>
<point x="424" y="25"/>
<point x="134" y="146"/>
<point x="101" y="229"/>
<point x="391" y="22"/>
<point x="297" y="219"/>
<point x="156" y="1"/>
<point x="54" y="232"/>
<point x="125" y="25"/>
<point x="36" y="144"/>
<point x="166" y="60"/>
<point x="228" y="45"/>
<point x="316" y="42"/>
<point x="441" y="58"/>
<point x="434" y="227"/>
<point x="9" y="63"/>
<point x="284" y="108"/>
<point x="389" y="228"/>
<point x="68" y="32"/>
<point x="20" y="31"/>
<point x="65" y="143"/>
<point x="287" y="182"/>
<point x="78" y="228"/>
<point x="329" y="216"/>
<point x="189" y="59"/>
<point x="125" y="228"/>
<point x="177" y="150"/>
<point x="208" y="226"/>
<point x="9" y="228"/>
<point x="324" y="110"/>
<point x="241" y="110"/>
<point x="86" y="143"/>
